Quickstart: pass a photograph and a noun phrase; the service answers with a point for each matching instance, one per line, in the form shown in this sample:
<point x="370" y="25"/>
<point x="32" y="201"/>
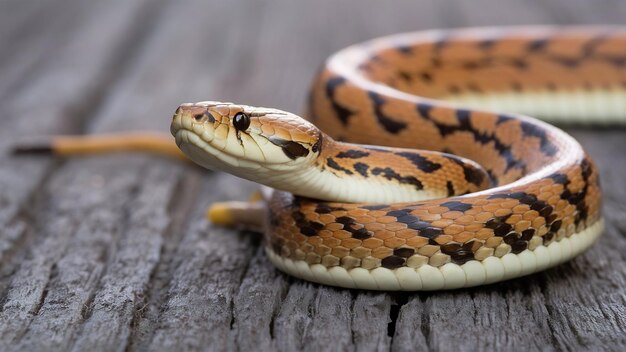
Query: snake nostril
<point x="198" y="117"/>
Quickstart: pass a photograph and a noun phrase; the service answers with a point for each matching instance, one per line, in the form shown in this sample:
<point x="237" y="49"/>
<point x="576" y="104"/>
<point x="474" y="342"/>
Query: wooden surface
<point x="113" y="252"/>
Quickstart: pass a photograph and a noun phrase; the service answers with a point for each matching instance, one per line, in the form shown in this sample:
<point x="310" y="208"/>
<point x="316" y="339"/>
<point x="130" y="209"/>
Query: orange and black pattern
<point x="545" y="187"/>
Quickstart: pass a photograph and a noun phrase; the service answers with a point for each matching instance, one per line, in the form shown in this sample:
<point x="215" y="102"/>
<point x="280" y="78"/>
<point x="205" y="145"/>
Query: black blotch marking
<point x="499" y="225"/>
<point x="342" y="112"/>
<point x="411" y="221"/>
<point x="431" y="232"/>
<point x="405" y="76"/>
<point x="352" y="154"/>
<point x="307" y="227"/>
<point x="578" y="198"/>
<point x="486" y="44"/>
<point x="403" y="252"/>
<point x="420" y="162"/>
<point x="551" y="219"/>
<point x="620" y="62"/>
<point x="459" y="254"/>
<point x="450" y="247"/>
<point x="457" y="206"/>
<point x="510" y="238"/>
<point x="532" y="130"/>
<point x="538" y="45"/>
<point x="348" y="223"/>
<point x="389" y="124"/>
<point x="426" y="76"/>
<point x="473" y="65"/>
<point x="559" y="178"/>
<point x="333" y="164"/>
<point x="464" y="125"/>
<point x="361" y="168"/>
<point x="390" y="174"/>
<point x="326" y="209"/>
<point x="503" y="118"/>
<point x="519" y="246"/>
<point x="462" y="256"/>
<point x="405" y="49"/>
<point x="522" y="197"/>
<point x="545" y="210"/>
<point x="392" y="262"/>
<point x="471" y="174"/>
<point x="450" y="188"/>
<point x="361" y="234"/>
<point x="308" y="231"/>
<point x="468" y="244"/>
<point x="345" y="220"/>
<point x="502" y="229"/>
<point x="292" y="150"/>
<point x="527" y="234"/>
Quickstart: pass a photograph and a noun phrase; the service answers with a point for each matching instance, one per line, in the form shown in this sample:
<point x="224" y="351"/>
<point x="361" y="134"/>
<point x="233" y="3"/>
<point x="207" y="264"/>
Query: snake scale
<point x="416" y="183"/>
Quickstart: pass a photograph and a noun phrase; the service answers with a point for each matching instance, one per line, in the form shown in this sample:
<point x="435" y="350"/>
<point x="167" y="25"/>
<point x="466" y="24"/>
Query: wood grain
<point x="114" y="253"/>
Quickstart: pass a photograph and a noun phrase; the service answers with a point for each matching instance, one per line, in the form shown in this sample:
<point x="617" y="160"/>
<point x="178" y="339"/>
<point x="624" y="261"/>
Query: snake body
<point x="532" y="201"/>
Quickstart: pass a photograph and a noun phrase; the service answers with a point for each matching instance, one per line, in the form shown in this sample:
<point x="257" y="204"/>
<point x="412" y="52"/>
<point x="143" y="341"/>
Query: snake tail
<point x="63" y="146"/>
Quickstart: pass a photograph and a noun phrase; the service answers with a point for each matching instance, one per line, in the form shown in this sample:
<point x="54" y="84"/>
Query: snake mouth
<point x="208" y="156"/>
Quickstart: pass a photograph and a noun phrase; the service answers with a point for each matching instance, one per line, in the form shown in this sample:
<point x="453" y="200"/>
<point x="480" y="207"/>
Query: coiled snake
<point x="520" y="197"/>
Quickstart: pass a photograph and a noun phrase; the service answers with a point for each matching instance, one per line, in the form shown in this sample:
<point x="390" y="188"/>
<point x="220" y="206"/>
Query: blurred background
<point x="113" y="252"/>
<point x="72" y="63"/>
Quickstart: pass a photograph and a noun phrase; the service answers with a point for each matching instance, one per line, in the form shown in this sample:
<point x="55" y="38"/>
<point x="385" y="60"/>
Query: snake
<point x="417" y="165"/>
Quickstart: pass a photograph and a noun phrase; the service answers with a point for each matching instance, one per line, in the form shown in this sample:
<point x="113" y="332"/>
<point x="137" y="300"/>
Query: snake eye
<point x="241" y="121"/>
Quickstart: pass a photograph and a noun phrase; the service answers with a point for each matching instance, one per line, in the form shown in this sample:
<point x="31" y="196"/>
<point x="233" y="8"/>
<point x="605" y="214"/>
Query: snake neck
<point x="353" y="173"/>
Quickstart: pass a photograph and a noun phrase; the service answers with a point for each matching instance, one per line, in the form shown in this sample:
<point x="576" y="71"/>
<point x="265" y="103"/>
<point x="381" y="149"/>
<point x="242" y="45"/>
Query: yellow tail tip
<point x="221" y="214"/>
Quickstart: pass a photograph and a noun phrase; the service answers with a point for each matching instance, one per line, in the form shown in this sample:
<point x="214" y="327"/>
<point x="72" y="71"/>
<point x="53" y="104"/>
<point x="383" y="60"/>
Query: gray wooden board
<point x="114" y="253"/>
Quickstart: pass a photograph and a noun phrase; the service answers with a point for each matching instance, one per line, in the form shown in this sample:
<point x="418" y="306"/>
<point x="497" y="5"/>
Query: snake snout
<point x="195" y="112"/>
<point x="188" y="116"/>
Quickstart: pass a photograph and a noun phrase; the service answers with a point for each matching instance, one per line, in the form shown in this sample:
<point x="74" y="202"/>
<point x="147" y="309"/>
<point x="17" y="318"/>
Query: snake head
<point x="244" y="140"/>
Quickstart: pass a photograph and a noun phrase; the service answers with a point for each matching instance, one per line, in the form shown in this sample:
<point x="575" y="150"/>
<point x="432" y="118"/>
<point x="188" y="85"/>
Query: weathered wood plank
<point x="196" y="312"/>
<point x="253" y="326"/>
<point x="33" y="239"/>
<point x="124" y="250"/>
